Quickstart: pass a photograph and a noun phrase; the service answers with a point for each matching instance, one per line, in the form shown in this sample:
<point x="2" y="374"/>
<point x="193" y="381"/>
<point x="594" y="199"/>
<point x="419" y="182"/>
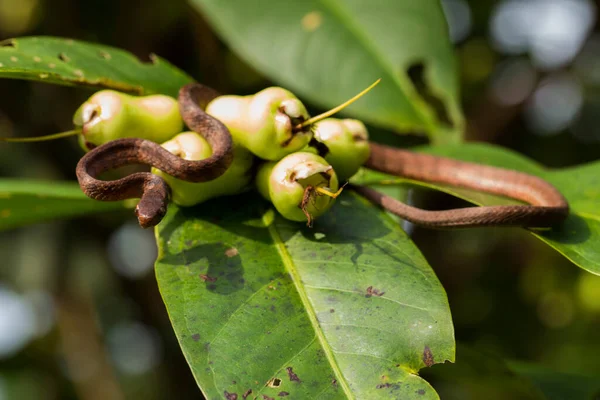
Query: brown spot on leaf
<point x="331" y="310"/>
<point x="246" y="394"/>
<point x="63" y="57"/>
<point x="312" y="21"/>
<point x="428" y="356"/>
<point x="371" y="291"/>
<point x="292" y="375"/>
<point x="8" y="43"/>
<point x="196" y="337"/>
<point x="265" y="397"/>
<point x="105" y="55"/>
<point x="334" y="382"/>
<point x="207" y="278"/>
<point x="232" y="252"/>
<point x="283" y="394"/>
<point x="230" y="396"/>
<point x="383" y="385"/>
<point x="421" y="392"/>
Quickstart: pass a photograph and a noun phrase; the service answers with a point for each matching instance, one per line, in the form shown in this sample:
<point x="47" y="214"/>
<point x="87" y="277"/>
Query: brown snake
<point x="548" y="206"/>
<point x="152" y="190"/>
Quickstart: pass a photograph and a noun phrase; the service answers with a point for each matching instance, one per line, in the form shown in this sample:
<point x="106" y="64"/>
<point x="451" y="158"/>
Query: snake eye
<point x="109" y="115"/>
<point x="300" y="185"/>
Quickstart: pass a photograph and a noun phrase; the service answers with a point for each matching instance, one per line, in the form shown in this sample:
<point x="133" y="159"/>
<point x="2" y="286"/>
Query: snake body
<point x="547" y="205"/>
<point x="152" y="190"/>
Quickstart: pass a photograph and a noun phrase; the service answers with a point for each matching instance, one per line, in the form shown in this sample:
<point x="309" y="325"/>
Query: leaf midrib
<point x="336" y="10"/>
<point x="289" y="265"/>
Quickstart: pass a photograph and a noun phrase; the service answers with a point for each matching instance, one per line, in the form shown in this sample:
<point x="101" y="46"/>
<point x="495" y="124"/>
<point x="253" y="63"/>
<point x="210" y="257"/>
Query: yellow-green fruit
<point x="287" y="182"/>
<point x="109" y="115"/>
<point x="262" y="178"/>
<point x="192" y="146"/>
<point x="264" y="123"/>
<point x="347" y="142"/>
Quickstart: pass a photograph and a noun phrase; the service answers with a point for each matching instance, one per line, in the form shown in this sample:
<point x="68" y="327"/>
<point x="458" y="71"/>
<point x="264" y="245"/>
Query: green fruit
<point x="298" y="185"/>
<point x="192" y="146"/>
<point x="262" y="178"/>
<point x="264" y="123"/>
<point x="347" y="144"/>
<point x="109" y="115"/>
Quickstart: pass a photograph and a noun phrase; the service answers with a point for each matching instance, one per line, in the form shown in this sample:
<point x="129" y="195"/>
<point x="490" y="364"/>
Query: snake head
<point x="154" y="201"/>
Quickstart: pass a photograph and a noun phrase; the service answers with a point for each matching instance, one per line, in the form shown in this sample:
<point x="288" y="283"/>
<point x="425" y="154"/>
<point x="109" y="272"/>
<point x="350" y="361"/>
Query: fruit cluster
<point x="296" y="164"/>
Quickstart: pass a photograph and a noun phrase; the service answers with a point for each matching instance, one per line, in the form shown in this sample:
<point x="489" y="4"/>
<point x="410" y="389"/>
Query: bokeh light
<point x="458" y="16"/>
<point x="555" y="104"/>
<point x="17" y="322"/>
<point x="551" y="31"/>
<point x="132" y="251"/>
<point x="512" y="82"/>
<point x="135" y="348"/>
<point x="19" y="16"/>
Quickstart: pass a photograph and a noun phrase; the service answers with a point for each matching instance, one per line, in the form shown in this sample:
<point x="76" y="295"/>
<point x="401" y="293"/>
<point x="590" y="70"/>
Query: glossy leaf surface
<point x="75" y="63"/>
<point x="328" y="50"/>
<point x="348" y="309"/>
<point x="578" y="238"/>
<point x="27" y="202"/>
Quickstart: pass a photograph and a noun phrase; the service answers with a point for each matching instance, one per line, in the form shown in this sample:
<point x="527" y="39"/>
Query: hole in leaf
<point x="416" y="73"/>
<point x="275" y="382"/>
<point x="63" y="57"/>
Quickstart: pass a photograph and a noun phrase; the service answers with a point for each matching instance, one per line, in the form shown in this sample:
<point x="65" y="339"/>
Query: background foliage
<point x="82" y="317"/>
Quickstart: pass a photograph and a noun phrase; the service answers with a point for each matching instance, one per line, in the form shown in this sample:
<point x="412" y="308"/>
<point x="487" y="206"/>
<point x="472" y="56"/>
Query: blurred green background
<point x="80" y="313"/>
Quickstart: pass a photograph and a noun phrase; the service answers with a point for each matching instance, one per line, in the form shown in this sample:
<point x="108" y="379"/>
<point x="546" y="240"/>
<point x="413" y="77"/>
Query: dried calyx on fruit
<point x="344" y="143"/>
<point x="192" y="146"/>
<point x="302" y="186"/>
<point x="266" y="123"/>
<point x="109" y="115"/>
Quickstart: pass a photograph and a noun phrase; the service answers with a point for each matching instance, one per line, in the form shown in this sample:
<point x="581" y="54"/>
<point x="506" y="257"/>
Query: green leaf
<point x="27" y="202"/>
<point x="578" y="238"/>
<point x="74" y="63"/>
<point x="329" y="50"/>
<point x="348" y="309"/>
<point x="559" y="385"/>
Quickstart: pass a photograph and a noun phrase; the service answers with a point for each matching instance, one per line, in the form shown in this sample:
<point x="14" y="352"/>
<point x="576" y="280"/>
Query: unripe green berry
<point x="109" y="115"/>
<point x="347" y="144"/>
<point x="264" y="123"/>
<point x="192" y="146"/>
<point x="296" y="185"/>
